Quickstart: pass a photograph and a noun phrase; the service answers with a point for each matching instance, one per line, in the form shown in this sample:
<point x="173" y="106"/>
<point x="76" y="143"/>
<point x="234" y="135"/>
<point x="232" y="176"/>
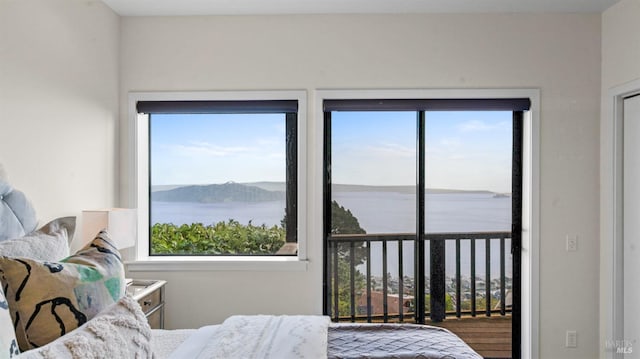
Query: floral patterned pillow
<point x="49" y="299"/>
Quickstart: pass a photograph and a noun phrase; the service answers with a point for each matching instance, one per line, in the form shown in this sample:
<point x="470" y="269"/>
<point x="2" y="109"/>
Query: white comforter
<point x="259" y="336"/>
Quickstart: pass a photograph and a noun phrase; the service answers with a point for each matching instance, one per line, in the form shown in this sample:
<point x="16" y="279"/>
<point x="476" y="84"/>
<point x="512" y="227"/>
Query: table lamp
<point x="119" y="222"/>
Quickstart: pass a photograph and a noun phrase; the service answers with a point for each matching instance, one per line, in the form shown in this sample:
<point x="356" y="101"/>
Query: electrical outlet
<point x="572" y="339"/>
<point x="572" y="243"/>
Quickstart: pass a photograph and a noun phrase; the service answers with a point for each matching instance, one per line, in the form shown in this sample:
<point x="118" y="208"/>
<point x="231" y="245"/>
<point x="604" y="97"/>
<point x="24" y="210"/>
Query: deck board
<point x="489" y="336"/>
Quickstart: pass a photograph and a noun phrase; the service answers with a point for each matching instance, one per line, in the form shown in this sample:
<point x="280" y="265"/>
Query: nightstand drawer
<point x="150" y="295"/>
<point x="155" y="318"/>
<point x="150" y="301"/>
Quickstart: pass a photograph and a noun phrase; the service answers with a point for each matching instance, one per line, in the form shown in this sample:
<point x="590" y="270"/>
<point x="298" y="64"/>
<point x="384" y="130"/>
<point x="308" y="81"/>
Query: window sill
<point x="186" y="263"/>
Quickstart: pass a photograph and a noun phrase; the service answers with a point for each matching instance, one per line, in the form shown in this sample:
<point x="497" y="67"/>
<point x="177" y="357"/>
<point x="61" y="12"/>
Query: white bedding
<point x="259" y="336"/>
<point x="165" y="342"/>
<point x="343" y="340"/>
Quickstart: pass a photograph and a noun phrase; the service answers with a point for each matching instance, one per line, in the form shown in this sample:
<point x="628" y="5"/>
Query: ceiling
<point x="260" y="7"/>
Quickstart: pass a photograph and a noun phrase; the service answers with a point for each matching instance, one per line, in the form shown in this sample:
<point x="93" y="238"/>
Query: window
<point x="422" y="202"/>
<point x="221" y="178"/>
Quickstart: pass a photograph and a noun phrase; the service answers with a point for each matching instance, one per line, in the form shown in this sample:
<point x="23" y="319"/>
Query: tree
<point x="344" y="222"/>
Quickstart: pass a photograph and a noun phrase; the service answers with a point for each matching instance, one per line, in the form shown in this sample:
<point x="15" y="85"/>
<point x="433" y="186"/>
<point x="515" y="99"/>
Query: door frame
<point x="611" y="226"/>
<point x="530" y="180"/>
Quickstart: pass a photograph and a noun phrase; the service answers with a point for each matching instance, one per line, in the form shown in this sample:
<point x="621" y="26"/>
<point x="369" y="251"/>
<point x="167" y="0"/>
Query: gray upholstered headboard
<point x="17" y="216"/>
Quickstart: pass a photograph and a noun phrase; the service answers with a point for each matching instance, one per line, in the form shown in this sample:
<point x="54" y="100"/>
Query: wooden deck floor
<point x="490" y="337"/>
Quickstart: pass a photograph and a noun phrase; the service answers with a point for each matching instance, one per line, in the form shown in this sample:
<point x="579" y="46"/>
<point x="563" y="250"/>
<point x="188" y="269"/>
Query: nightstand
<point x="150" y="296"/>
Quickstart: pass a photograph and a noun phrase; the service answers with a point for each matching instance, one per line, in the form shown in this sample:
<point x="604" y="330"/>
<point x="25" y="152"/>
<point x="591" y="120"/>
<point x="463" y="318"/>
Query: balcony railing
<point x="349" y="264"/>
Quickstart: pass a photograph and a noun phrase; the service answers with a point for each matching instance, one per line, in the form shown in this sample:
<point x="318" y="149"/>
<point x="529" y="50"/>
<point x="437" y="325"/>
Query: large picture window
<point x="222" y="177"/>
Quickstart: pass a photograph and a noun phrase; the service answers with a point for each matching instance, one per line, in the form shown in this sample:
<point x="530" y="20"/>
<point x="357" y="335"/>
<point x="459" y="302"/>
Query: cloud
<point x="392" y="150"/>
<point x="450" y="142"/>
<point x="474" y="125"/>
<point x="209" y="149"/>
<point x="457" y="157"/>
<point x="477" y="125"/>
<point x="270" y="141"/>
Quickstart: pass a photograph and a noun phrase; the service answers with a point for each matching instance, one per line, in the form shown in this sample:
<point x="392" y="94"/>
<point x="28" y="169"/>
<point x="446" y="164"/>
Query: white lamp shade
<point x="120" y="223"/>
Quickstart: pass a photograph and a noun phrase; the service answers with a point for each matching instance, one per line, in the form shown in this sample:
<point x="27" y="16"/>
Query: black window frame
<point x="289" y="108"/>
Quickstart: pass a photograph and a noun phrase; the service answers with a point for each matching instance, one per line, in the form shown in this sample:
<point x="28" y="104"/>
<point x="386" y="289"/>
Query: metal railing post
<point x="437" y="281"/>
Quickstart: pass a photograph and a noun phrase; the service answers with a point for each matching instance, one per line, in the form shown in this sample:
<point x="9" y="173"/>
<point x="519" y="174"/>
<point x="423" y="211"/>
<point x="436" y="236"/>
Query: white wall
<point x="560" y="54"/>
<point x="620" y="65"/>
<point x="620" y="44"/>
<point x="59" y="103"/>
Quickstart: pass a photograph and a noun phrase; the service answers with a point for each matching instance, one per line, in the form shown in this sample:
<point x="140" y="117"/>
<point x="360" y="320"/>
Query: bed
<point x="54" y="304"/>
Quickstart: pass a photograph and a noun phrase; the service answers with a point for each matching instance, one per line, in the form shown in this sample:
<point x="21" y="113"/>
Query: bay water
<point x="379" y="212"/>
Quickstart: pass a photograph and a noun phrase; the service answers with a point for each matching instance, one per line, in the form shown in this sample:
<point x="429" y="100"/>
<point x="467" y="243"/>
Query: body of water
<point x="178" y="213"/>
<point x="378" y="212"/>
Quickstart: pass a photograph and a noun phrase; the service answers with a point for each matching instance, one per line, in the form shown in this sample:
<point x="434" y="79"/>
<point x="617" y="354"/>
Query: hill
<point x="397" y="189"/>
<point x="279" y="187"/>
<point x="336" y="187"/>
<point x="217" y="193"/>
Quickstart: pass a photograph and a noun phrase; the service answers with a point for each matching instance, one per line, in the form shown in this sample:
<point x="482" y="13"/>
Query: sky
<point x="464" y="150"/>
<point x="206" y="149"/>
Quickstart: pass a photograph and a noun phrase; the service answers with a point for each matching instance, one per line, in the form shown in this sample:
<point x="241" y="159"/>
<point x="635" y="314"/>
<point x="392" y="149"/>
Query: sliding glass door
<point x="422" y="210"/>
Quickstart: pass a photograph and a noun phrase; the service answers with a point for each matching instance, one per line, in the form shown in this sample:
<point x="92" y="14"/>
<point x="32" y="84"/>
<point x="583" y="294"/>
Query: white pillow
<point x="8" y="343"/>
<point x="17" y="215"/>
<point x="49" y="243"/>
<point x="120" y="331"/>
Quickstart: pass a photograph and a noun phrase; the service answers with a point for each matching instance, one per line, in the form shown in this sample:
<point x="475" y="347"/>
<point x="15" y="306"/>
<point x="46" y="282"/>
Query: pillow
<point x="120" y="331"/>
<point x="17" y="216"/>
<point x="49" y="243"/>
<point x="8" y="343"/>
<point x="49" y="299"/>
